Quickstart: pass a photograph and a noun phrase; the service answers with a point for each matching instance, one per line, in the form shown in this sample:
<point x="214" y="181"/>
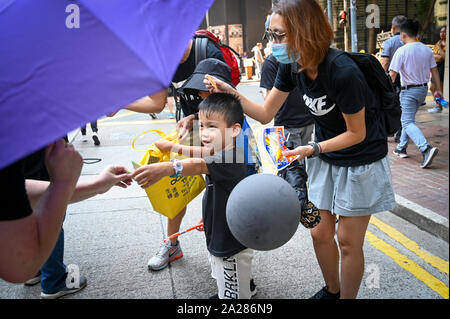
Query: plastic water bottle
<point x="442" y="102"/>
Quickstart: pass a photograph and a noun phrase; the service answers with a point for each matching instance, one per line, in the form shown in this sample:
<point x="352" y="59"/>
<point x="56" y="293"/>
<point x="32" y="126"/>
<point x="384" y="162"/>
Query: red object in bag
<point x="201" y="42"/>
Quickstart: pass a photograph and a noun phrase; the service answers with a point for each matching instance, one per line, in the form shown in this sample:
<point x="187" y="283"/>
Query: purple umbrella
<point x="64" y="63"/>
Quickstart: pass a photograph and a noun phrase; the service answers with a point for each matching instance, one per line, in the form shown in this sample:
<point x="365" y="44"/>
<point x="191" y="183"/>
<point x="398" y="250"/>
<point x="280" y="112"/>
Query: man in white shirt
<point x="258" y="58"/>
<point x="414" y="61"/>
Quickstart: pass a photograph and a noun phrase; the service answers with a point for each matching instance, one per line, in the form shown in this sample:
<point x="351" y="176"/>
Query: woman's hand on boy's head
<point x="214" y="85"/>
<point x="148" y="175"/>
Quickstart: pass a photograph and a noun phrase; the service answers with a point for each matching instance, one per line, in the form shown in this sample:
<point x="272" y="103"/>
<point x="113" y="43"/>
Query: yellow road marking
<point x="409" y="265"/>
<point x="137" y="122"/>
<point x="411" y="245"/>
<point x="116" y="117"/>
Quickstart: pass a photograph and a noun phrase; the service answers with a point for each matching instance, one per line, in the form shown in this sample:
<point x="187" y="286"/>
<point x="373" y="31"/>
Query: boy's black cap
<point x="211" y="66"/>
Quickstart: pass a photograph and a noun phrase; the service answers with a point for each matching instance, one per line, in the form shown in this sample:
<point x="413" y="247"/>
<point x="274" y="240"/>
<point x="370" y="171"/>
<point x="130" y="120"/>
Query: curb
<point x="422" y="217"/>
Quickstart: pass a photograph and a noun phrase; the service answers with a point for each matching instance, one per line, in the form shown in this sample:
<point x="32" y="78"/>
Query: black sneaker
<point x="401" y="153"/>
<point x="153" y="116"/>
<point x="428" y="156"/>
<point x="33" y="281"/>
<point x="95" y="138"/>
<point x="324" y="294"/>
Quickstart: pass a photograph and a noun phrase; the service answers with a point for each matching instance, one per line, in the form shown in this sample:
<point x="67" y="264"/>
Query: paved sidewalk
<point x="426" y="189"/>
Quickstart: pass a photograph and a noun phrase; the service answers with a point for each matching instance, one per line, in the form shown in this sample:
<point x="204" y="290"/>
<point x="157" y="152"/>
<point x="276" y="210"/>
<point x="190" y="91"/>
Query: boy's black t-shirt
<point x="226" y="170"/>
<point x="294" y="113"/>
<point x="350" y="93"/>
<point x="14" y="199"/>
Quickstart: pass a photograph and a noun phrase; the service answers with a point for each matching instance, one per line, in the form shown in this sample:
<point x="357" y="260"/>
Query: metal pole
<point x="227" y="36"/>
<point x="345" y="29"/>
<point x="330" y="12"/>
<point x="353" y="25"/>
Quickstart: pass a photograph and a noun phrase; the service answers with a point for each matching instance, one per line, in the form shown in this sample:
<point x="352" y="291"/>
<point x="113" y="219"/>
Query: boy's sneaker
<point x="153" y="116"/>
<point x="428" y="156"/>
<point x="95" y="138"/>
<point x="167" y="253"/>
<point x="33" y="281"/>
<point x="171" y="116"/>
<point x="324" y="294"/>
<point x="401" y="153"/>
<point x="65" y="291"/>
<point x="83" y="137"/>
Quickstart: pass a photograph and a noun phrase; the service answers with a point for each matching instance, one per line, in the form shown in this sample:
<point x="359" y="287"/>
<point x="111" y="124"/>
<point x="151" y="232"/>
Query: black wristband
<point x="316" y="149"/>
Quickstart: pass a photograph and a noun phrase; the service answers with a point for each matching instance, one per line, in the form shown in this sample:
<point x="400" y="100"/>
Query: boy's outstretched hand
<point x="148" y="175"/>
<point x="164" y="146"/>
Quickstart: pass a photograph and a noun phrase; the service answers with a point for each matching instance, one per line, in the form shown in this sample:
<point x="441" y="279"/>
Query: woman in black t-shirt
<point x="348" y="169"/>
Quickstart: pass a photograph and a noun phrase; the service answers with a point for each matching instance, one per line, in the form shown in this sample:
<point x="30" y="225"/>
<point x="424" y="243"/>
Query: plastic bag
<point x="169" y="195"/>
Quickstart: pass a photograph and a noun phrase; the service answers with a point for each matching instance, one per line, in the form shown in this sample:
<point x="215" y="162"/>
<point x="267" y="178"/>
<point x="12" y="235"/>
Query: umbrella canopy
<point x="65" y="63"/>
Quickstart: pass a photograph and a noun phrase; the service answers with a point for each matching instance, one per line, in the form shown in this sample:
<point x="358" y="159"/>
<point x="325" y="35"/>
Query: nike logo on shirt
<point x="316" y="105"/>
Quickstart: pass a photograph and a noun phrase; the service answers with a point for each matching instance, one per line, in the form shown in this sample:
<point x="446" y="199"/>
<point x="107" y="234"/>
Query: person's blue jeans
<point x="53" y="272"/>
<point x="410" y="101"/>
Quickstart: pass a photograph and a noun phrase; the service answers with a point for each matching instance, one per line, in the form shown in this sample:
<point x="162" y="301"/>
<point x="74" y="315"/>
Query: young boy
<point x="194" y="86"/>
<point x="221" y="118"/>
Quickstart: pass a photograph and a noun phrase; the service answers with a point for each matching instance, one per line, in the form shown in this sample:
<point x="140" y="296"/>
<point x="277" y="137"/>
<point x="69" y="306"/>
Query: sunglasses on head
<point x="274" y="36"/>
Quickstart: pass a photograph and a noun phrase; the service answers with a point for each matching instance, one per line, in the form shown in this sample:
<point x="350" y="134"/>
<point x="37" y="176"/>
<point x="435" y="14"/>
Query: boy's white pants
<point x="233" y="274"/>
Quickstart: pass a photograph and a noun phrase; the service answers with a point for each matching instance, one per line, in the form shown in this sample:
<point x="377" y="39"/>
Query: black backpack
<point x="189" y="103"/>
<point x="388" y="108"/>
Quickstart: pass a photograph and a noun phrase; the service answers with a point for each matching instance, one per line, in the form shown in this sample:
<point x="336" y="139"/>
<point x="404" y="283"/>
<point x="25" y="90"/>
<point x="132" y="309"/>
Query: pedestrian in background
<point x="258" y="59"/>
<point x="414" y="61"/>
<point x="439" y="56"/>
<point x="94" y="129"/>
<point x="389" y="49"/>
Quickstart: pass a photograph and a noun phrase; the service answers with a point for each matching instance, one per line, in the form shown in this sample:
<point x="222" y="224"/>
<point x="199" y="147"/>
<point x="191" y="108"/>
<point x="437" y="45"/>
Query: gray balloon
<point x="263" y="212"/>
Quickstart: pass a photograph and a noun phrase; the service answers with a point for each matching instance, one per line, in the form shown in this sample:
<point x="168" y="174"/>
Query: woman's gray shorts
<point x="350" y="191"/>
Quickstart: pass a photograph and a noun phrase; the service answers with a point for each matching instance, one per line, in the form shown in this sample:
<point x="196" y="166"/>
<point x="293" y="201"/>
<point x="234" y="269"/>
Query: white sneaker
<point x="65" y="291"/>
<point x="167" y="253"/>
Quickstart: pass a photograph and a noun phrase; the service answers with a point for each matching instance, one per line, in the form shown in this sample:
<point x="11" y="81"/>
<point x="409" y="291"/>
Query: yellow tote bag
<point x="169" y="195"/>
